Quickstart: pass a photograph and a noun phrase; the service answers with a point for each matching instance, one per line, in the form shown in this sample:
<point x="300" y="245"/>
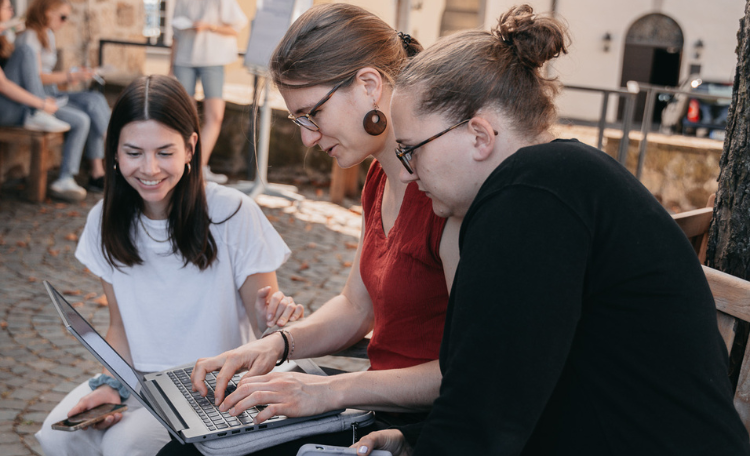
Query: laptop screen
<point x="92" y="338"/>
<point x="103" y="351"/>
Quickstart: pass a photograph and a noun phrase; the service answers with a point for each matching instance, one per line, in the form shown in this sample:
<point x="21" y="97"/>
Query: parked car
<point x="692" y="114"/>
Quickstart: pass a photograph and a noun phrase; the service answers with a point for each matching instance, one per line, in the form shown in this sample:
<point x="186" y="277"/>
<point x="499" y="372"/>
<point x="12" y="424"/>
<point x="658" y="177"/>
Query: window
<point x="462" y="15"/>
<point x="162" y="21"/>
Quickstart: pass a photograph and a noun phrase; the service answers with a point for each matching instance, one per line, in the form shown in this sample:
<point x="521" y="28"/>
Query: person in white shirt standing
<point x="200" y="51"/>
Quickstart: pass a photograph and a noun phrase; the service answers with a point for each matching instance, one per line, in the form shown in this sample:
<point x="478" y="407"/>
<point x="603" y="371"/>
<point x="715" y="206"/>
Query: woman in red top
<point x="334" y="67"/>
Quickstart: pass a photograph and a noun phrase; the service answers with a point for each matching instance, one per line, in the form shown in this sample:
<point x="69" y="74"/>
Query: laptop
<point x="167" y="395"/>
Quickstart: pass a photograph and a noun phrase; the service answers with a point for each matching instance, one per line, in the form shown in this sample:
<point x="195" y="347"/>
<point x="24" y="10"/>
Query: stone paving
<point x="40" y="362"/>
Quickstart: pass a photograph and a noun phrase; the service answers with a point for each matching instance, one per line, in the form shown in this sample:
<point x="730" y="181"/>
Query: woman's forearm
<point x="338" y="324"/>
<point x="60" y="77"/>
<point x="224" y="29"/>
<point x="411" y="389"/>
<point x="117" y="338"/>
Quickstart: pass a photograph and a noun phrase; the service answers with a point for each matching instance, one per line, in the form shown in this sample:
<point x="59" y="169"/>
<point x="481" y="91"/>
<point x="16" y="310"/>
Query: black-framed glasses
<point x="305" y="120"/>
<point x="404" y="153"/>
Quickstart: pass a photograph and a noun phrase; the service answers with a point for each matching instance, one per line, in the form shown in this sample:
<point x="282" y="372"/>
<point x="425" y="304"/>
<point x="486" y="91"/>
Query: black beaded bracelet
<point x="286" y="345"/>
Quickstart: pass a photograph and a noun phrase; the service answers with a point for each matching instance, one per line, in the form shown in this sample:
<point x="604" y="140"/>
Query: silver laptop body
<point x="162" y="394"/>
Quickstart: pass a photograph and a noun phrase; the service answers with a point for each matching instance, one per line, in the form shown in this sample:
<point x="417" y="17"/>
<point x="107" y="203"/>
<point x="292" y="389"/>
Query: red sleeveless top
<point x="404" y="276"/>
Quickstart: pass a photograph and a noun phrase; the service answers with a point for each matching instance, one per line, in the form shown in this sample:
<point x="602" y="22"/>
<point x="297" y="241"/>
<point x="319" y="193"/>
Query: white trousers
<point x="138" y="433"/>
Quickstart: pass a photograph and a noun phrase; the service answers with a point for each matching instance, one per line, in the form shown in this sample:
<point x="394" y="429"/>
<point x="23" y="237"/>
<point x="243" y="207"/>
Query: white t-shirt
<point x="207" y="48"/>
<point x="48" y="55"/>
<point x="175" y="314"/>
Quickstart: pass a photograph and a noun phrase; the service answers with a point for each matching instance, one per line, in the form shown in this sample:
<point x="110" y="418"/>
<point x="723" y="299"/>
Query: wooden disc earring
<point x="375" y="122"/>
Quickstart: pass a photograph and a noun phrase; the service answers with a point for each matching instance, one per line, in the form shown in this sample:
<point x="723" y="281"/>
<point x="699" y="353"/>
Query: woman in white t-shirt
<point x="188" y="269"/>
<point x="205" y="39"/>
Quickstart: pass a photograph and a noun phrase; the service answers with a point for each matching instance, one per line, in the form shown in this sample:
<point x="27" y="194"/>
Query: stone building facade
<point x="92" y="20"/>
<point x="652" y="41"/>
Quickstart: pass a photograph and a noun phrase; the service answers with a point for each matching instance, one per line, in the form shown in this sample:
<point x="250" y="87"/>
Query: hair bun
<point x="533" y="39"/>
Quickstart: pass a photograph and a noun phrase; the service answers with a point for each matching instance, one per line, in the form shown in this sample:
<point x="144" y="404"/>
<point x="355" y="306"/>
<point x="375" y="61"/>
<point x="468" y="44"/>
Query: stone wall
<point x="92" y="20"/>
<point x="680" y="171"/>
<point x="289" y="160"/>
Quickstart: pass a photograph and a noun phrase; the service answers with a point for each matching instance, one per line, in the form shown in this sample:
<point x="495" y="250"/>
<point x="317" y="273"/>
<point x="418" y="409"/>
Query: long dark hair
<point x="164" y="100"/>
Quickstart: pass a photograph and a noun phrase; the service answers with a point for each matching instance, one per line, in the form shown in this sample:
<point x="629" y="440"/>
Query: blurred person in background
<point x="86" y="112"/>
<point x="205" y="42"/>
<point x="22" y="98"/>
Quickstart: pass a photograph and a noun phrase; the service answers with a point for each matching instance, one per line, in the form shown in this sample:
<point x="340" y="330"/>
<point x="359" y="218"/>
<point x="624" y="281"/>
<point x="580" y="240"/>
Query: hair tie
<point x="406" y="38"/>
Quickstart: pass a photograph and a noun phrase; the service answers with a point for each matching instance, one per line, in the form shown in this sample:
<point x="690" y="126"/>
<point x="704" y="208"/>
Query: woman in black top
<point x="580" y="321"/>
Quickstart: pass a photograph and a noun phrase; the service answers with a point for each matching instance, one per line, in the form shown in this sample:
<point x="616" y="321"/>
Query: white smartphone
<point x="313" y="449"/>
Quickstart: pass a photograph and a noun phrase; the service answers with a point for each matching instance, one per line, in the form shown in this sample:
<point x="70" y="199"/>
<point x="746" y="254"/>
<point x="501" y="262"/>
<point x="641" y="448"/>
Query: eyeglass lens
<point x="304" y="120"/>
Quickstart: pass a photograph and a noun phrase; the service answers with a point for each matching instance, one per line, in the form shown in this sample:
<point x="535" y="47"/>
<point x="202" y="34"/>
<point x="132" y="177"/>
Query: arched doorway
<point x="653" y="51"/>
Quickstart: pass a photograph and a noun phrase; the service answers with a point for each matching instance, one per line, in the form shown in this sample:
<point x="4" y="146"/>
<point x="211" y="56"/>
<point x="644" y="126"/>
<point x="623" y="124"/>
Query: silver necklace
<point x="149" y="234"/>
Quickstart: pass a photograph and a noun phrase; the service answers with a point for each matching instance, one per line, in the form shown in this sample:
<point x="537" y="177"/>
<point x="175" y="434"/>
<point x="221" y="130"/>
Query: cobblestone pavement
<point x="40" y="362"/>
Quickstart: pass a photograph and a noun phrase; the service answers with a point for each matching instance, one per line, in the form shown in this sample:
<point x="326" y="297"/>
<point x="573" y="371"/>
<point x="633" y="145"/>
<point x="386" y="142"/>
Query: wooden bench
<point x="695" y="225"/>
<point x="732" y="296"/>
<point x="39" y="143"/>
<point x="344" y="182"/>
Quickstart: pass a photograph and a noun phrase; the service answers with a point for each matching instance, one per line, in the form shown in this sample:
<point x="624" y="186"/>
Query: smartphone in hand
<point x="313" y="449"/>
<point x="89" y="417"/>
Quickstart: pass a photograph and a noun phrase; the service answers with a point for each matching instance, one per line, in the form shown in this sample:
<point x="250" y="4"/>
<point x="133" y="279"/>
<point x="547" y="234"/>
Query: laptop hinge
<point x="173" y="415"/>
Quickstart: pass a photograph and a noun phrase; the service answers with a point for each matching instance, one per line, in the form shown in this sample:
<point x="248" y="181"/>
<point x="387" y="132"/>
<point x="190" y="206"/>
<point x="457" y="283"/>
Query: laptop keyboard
<point x="204" y="406"/>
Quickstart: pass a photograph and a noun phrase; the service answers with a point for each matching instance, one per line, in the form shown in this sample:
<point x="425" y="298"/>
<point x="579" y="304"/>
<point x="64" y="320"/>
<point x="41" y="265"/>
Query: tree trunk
<point x="729" y="235"/>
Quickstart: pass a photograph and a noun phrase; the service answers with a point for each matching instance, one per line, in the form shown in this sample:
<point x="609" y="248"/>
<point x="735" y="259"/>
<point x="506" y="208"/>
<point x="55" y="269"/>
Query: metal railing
<point x="630" y="94"/>
<point x="104" y="42"/>
<point x="648" y="113"/>
<point x="602" y="124"/>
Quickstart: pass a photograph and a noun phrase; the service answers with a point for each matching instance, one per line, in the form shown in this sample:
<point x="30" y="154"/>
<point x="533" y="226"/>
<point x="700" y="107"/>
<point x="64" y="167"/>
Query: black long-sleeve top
<point x="580" y="322"/>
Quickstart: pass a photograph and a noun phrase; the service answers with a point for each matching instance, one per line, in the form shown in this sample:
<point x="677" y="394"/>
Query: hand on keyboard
<point x="212" y="417"/>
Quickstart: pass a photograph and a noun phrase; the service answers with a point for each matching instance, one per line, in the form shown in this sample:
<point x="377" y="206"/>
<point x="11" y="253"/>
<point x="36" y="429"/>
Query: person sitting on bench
<point x="22" y="98"/>
<point x="580" y="320"/>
